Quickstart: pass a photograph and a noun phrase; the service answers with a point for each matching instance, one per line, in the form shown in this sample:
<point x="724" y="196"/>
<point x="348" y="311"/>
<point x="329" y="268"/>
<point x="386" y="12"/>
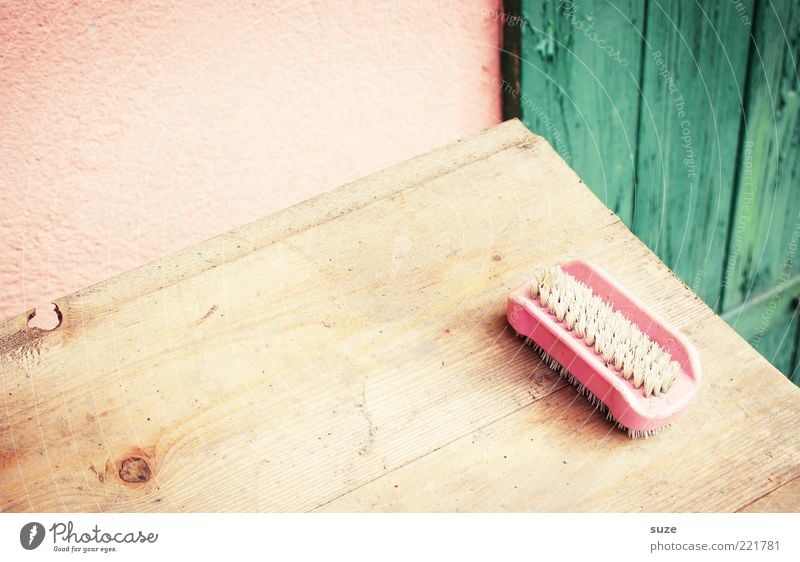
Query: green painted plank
<point x="695" y="64"/>
<point x="770" y="323"/>
<point x="579" y="72"/>
<point x="756" y="315"/>
<point x="794" y="374"/>
<point x="765" y="236"/>
<point x="764" y="244"/>
<point x="778" y="345"/>
<point x="718" y="202"/>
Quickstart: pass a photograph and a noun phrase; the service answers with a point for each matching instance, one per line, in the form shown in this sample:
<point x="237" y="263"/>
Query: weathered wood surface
<point x="352" y="353"/>
<point x="784" y="499"/>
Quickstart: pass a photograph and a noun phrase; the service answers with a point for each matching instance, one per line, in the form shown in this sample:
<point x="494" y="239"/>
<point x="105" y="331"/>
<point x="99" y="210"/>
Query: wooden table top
<point x="351" y="354"/>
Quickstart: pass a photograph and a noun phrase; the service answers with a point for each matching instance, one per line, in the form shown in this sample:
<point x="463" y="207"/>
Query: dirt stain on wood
<point x="101" y="475"/>
<point x="20" y="344"/>
<point x="208" y="314"/>
<point x="7" y="459"/>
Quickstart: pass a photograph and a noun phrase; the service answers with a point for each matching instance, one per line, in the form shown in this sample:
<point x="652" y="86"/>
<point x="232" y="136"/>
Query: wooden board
<point x="352" y="353"/>
<point x="579" y="73"/>
<point x="784" y="499"/>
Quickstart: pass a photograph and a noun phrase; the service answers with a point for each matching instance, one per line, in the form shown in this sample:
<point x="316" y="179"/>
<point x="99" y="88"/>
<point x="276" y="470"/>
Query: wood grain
<point x="351" y="353"/>
<point x="785" y="498"/>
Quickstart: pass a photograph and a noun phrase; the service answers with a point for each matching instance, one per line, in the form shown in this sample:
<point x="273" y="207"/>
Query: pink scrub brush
<point x="626" y="360"/>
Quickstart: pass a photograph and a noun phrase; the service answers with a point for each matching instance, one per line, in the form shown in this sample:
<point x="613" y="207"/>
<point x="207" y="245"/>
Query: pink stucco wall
<point x="131" y="129"/>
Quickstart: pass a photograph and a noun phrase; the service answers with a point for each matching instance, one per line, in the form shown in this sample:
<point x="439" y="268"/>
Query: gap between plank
<point x="751" y="502"/>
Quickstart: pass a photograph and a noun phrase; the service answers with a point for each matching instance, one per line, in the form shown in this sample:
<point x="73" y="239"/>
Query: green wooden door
<point x="684" y="118"/>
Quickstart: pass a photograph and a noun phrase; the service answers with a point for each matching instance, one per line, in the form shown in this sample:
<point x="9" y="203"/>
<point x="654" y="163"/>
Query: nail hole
<point x="45" y="318"/>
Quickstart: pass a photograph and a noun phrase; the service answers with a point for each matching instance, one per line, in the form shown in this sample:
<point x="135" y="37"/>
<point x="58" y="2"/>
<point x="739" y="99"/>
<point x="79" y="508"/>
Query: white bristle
<point x="623" y="347"/>
<point x="590" y="396"/>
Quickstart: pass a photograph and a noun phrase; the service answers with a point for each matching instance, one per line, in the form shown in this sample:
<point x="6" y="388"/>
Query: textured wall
<point x="130" y="130"/>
